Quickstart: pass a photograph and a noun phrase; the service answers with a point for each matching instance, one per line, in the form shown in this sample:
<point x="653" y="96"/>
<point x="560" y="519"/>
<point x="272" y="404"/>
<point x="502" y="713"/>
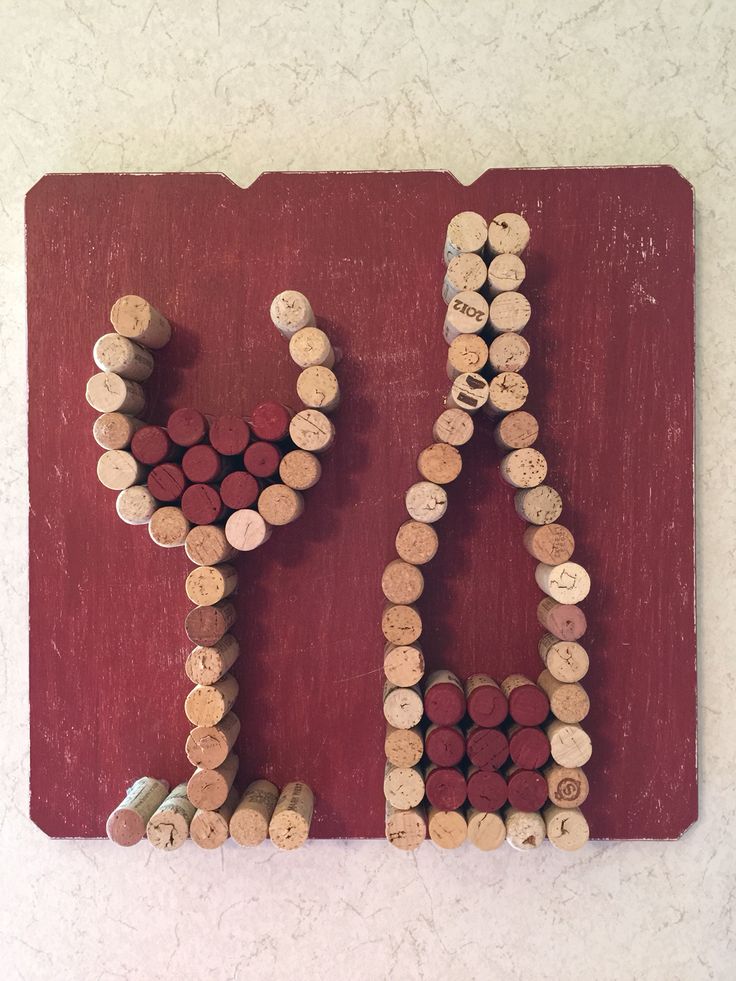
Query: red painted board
<point x="610" y="279"/>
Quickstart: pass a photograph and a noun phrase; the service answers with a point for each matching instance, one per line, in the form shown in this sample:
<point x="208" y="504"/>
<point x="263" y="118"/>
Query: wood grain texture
<point x="610" y="280"/>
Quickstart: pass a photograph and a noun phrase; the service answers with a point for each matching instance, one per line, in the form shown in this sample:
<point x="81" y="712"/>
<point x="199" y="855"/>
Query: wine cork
<point x="187" y="427"/>
<point x="487" y="789"/>
<point x="524" y="830"/>
<point x="445" y="745"/>
<point x="453" y="426"/>
<point x="444" y="698"/>
<point x="123" y="356"/>
<point x="416" y="542"/>
<point x="466" y="232"/>
<point x="206" y="665"/>
<point x="568" y="702"/>
<point x="488" y="749"/>
<point x="201" y="504"/>
<point x="486" y="829"/>
<point x="211" y="828"/>
<point x="566" y="660"/>
<point x="168" y="826"/>
<point x="108" y="392"/>
<point x="115" y="430"/>
<point x="239" y="490"/>
<point x="208" y="789"/>
<point x="403" y="786"/>
<point x="508" y="234"/>
<point x="207" y="585"/>
<point x="208" y="746"/>
<point x="250" y="820"/>
<point x="465" y="272"/>
<point x="402" y="582"/>
<point x="524" y="468"/>
<point x="202" y="464"/>
<point x="311" y="430"/>
<point x="118" y="469"/>
<point x="135" y="505"/>
<point x="289" y="824"/>
<point x="440" y="463"/>
<point x="445" y="787"/>
<point x="551" y="544"/>
<point x="206" y="705"/>
<point x="402" y="707"/>
<point x="205" y="625"/>
<point x="509" y="313"/>
<point x="405" y="829"/>
<point x="486" y="703"/>
<point x="567" y="828"/>
<point x="246" y="530"/>
<point x="507" y="392"/>
<point x="280" y="505"/>
<point x="127" y="823"/>
<point x="262" y="459"/>
<point x="447" y="829"/>
<point x="467" y="313"/>
<point x="506" y="272"/>
<point x="538" y="505"/>
<point x="567" y="582"/>
<point x="528" y="704"/>
<point x="403" y="664"/>
<point x="300" y="470"/>
<point x="310" y="348"/>
<point x="528" y="746"/>
<point x="508" y="352"/>
<point x="167" y="482"/>
<point x="290" y="312"/>
<point x="135" y="318"/>
<point x="401" y="623"/>
<point x="516" y="430"/>
<point x="526" y="789"/>
<point x="468" y="353"/>
<point x="318" y="389"/>
<point x="426" y="502"/>
<point x="229" y="435"/>
<point x="567" y="786"/>
<point x="151" y="445"/>
<point x="270" y="421"/>
<point x="564" y="620"/>
<point x="207" y="545"/>
<point x="403" y="747"/>
<point x="169" y="527"/>
<point x="570" y="744"/>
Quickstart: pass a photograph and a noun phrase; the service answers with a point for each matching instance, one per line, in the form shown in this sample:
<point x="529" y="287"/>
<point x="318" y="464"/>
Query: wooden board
<point x="610" y="279"/>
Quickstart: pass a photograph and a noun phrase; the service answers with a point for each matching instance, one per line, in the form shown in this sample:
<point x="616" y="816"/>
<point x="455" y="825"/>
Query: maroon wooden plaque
<point x="610" y="279"/>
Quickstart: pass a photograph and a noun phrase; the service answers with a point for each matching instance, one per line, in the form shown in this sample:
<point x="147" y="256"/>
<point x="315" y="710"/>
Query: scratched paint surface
<point x="610" y="279"/>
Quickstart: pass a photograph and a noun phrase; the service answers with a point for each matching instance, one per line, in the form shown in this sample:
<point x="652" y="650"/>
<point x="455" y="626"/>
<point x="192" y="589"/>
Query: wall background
<point x="241" y="88"/>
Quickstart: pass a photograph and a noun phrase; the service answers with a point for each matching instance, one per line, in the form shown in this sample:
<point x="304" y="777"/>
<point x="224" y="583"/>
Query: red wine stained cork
<point x="508" y="352"/>
<point x="123" y="356"/>
<point x="402" y="582"/>
<point x="310" y="348"/>
<point x="447" y="829"/>
<point x="445" y="787"/>
<point x="280" y="505"/>
<point x="465" y="272"/>
<point x="300" y="470"/>
<point x="127" y="823"/>
<point x="270" y="421"/>
<point x="250" y="820"/>
<point x="567" y="582"/>
<point x="552" y="544"/>
<point x="567" y="786"/>
<point x="566" y="660"/>
<point x="211" y="828"/>
<point x="207" y="545"/>
<point x="488" y="749"/>
<point x="527" y="789"/>
<point x="505" y="272"/>
<point x="444" y="698"/>
<point x="507" y="392"/>
<point x="208" y="789"/>
<point x="528" y="746"/>
<point x="118" y="469"/>
<point x="486" y="702"/>
<point x="246" y="530"/>
<point x="467" y="313"/>
<point x="108" y="392"/>
<point x="239" y="490"/>
<point x="403" y="747"/>
<point x="570" y="744"/>
<point x="290" y="312"/>
<point x="508" y="234"/>
<point x="509" y="313"/>
<point x="466" y="232"/>
<point x="262" y="459"/>
<point x="207" y="585"/>
<point x="440" y="463"/>
<point x="318" y="388"/>
<point x="486" y="789"/>
<point x="206" y="705"/>
<point x="187" y="427"/>
<point x="402" y="707"/>
<point x="516" y="430"/>
<point x="201" y="504"/>
<point x="115" y="430"/>
<point x="151" y="445"/>
<point x="538" y="505"/>
<point x="524" y="468"/>
<point x="524" y="830"/>
<point x="205" y="625"/>
<point x="202" y="464"/>
<point x="426" y="501"/>
<point x="134" y="317"/>
<point x="167" y="482"/>
<point x="567" y="828"/>
<point x="416" y="542"/>
<point x="564" y="620"/>
<point x="467" y="353"/>
<point x="445" y="745"/>
<point x="567" y="702"/>
<point x="206" y="665"/>
<point x="401" y="623"/>
<point x="169" y="527"/>
<point x="486" y="830"/>
<point x="528" y="704"/>
<point x="229" y="435"/>
<point x="403" y="664"/>
<point x="453" y="426"/>
<point x="208" y="746"/>
<point x="168" y="826"/>
<point x="403" y="786"/>
<point x="311" y="430"/>
<point x="405" y="830"/>
<point x="289" y="824"/>
<point x="135" y="505"/>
